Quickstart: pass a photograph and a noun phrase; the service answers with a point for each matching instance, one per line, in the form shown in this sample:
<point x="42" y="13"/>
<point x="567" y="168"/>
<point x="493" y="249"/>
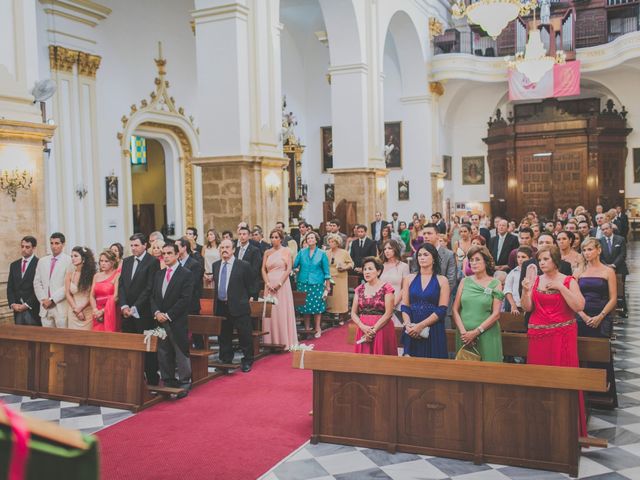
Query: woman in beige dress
<point x="340" y="263"/>
<point x="395" y="270"/>
<point x="78" y="287"/>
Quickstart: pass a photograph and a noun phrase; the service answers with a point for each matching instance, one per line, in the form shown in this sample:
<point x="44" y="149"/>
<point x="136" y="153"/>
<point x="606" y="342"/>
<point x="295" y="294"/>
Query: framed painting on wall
<point x="403" y="190"/>
<point x="473" y="170"/>
<point x="393" y="144"/>
<point x="326" y="141"/>
<point x="446" y="166"/>
<point x="111" y="187"/>
<point x="329" y="192"/>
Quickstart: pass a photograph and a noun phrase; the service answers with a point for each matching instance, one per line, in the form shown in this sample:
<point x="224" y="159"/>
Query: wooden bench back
<point x="205" y="324"/>
<point x="354" y="281"/>
<point x="510" y="322"/>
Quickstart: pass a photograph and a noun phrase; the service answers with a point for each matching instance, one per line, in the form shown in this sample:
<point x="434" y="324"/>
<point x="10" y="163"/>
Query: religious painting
<point x="326" y="140"/>
<point x="636" y="165"/>
<point x="393" y="144"/>
<point x="403" y="190"/>
<point x="446" y="166"/>
<point x="473" y="170"/>
<point x="111" y="188"/>
<point x="329" y="192"/>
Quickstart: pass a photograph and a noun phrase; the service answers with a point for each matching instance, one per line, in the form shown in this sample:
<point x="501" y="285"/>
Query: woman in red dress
<point x="553" y="300"/>
<point x="372" y="311"/>
<point x="104" y="290"/>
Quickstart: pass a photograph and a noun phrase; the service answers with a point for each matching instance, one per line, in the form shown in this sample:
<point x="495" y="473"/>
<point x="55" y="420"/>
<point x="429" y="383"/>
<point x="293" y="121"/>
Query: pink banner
<point x="562" y="81"/>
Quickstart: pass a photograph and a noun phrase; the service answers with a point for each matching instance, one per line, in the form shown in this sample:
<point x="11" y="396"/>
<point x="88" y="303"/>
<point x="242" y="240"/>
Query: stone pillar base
<point x="235" y="189"/>
<point x="365" y="186"/>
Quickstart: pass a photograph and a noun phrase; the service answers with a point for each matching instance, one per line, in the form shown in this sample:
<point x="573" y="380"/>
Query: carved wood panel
<point x="568" y="175"/>
<point x="534" y="175"/>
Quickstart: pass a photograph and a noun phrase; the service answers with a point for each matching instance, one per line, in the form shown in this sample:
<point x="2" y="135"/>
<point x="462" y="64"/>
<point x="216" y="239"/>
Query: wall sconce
<point x="11" y="181"/>
<point x="81" y="191"/>
<point x="621" y="192"/>
<point x="272" y="182"/>
<point x="381" y="185"/>
<point x="440" y="184"/>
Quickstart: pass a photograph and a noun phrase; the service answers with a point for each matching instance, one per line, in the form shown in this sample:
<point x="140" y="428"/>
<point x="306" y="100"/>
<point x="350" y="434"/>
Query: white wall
<point x="304" y="67"/>
<point x="128" y="44"/>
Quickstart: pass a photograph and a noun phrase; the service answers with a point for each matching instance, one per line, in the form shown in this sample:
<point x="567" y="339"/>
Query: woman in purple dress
<point x="599" y="288"/>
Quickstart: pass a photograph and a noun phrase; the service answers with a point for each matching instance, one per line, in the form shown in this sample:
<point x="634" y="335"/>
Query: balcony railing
<point x="615" y="3"/>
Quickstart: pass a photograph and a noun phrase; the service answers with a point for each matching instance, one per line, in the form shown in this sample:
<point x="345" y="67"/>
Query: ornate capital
<point x="436" y="88"/>
<point x="88" y="64"/>
<point x="62" y="59"/>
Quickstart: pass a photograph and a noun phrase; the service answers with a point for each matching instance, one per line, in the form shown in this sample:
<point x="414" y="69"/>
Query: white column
<point x="417" y="147"/>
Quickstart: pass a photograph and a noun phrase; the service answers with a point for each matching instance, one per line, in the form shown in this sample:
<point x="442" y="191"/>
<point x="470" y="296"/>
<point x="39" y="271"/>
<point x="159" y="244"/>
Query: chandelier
<point x="534" y="62"/>
<point x="492" y="15"/>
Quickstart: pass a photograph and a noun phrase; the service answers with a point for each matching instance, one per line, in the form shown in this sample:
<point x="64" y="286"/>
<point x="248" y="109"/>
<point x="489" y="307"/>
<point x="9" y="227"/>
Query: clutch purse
<point x="469" y="353"/>
<point x="424" y="333"/>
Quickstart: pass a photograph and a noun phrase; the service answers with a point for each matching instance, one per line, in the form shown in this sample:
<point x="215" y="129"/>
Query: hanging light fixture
<point x="492" y="15"/>
<point x="534" y="62"/>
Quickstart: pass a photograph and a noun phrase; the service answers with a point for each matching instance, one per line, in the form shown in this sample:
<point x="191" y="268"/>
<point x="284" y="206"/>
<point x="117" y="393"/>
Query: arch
<point x="408" y="47"/>
<point x="346" y="43"/>
<point x="159" y="118"/>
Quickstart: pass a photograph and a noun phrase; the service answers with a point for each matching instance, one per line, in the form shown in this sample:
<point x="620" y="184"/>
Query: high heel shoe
<point x="318" y="334"/>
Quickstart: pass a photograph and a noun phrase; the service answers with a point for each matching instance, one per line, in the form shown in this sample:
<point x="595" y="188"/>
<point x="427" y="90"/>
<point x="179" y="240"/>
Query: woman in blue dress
<point x="313" y="278"/>
<point x="425" y="297"/>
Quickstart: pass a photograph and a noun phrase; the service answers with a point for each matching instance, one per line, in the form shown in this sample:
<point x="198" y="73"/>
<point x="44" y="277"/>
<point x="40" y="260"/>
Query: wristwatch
<point x="481" y="330"/>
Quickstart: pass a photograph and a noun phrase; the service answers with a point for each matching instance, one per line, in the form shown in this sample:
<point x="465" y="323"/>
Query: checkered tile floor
<point x="621" y="427"/>
<point x="86" y="418"/>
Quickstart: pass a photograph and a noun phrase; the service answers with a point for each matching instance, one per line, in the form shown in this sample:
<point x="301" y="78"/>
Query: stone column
<point x="366" y="186"/>
<point x="240" y="120"/>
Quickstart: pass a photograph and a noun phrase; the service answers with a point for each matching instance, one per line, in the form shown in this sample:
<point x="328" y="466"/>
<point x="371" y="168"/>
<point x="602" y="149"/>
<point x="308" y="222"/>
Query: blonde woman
<point x="156" y="251"/>
<point x="340" y="263"/>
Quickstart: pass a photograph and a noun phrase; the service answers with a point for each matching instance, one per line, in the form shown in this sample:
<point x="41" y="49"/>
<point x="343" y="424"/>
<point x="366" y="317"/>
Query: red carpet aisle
<point x="235" y="427"/>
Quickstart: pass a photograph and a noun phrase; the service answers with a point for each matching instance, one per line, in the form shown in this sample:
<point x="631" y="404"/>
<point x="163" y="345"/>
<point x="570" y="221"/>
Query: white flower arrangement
<point x="301" y="347"/>
<point x="159" y="332"/>
<point x="269" y="299"/>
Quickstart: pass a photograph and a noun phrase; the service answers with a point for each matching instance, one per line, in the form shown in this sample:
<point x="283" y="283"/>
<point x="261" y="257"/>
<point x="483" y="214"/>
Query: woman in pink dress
<point x="276" y="267"/>
<point x="553" y="299"/>
<point x="104" y="290"/>
<point x="372" y="310"/>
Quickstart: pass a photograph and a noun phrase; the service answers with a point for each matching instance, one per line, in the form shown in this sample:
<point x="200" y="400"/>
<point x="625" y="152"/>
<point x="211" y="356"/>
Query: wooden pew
<point x="207" y="326"/>
<point x="99" y="368"/>
<point x="515" y="344"/>
<point x="521" y="415"/>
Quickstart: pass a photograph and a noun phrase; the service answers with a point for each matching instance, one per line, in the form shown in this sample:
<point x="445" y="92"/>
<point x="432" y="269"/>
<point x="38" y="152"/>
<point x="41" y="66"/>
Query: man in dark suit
<point x="361" y="248"/>
<point x="597" y="230"/>
<point x="614" y="250"/>
<point x="475" y="220"/>
<point x="250" y="254"/>
<point x="234" y="282"/>
<point x="196" y="249"/>
<point x="622" y="222"/>
<point x="502" y="244"/>
<point x="21" y="297"/>
<point x="187" y="260"/>
<point x="258" y="236"/>
<point x="439" y="222"/>
<point x="377" y="226"/>
<point x="134" y="292"/>
<point x="171" y="295"/>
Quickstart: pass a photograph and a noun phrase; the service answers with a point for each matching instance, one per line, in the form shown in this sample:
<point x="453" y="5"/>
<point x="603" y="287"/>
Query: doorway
<point x="148" y="185"/>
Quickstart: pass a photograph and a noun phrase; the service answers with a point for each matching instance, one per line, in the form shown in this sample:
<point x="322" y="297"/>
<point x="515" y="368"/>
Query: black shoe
<point x="246" y="367"/>
<point x="182" y="394"/>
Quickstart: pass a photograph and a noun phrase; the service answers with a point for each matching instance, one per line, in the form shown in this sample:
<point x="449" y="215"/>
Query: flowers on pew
<point x="269" y="299"/>
<point x="159" y="332"/>
<point x="301" y="347"/>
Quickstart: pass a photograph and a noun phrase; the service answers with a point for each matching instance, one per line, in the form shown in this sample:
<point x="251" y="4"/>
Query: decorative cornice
<point x="435" y="27"/>
<point x="84" y="7"/>
<point x="436" y="88"/>
<point x="26" y="132"/>
<point x="88" y="64"/>
<point x="70" y="16"/>
<point x="221" y="12"/>
<point x="62" y="59"/>
<point x="348" y="69"/>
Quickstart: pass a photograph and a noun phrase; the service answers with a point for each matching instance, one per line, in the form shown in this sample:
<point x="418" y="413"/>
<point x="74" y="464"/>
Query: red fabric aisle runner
<point x="234" y="427"/>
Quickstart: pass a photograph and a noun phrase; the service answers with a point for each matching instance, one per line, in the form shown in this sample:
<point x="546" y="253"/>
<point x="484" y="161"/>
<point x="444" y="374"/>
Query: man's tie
<point x="240" y="254"/>
<point x="135" y="267"/>
<point x="500" y="244"/>
<point x="167" y="279"/>
<point x="222" y="288"/>
<point x="24" y="266"/>
<point x="609" y="244"/>
<point x="53" y="265"/>
<point x="361" y="243"/>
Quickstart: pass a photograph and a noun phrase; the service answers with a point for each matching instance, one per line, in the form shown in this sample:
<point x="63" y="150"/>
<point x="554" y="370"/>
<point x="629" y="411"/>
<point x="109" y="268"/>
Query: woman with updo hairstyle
<point x="565" y="242"/>
<point x="372" y="310"/>
<point x="104" y="295"/>
<point x="476" y="308"/>
<point x="340" y="262"/>
<point x="118" y="251"/>
<point x="156" y="251"/>
<point x="425" y="298"/>
<point x="553" y="299"/>
<point x="78" y="288"/>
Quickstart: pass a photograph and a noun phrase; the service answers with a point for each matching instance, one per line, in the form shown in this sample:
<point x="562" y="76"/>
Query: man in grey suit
<point x="614" y="254"/>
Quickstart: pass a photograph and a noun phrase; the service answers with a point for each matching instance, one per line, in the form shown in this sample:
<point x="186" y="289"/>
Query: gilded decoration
<point x="161" y="102"/>
<point x="435" y="27"/>
<point x="436" y="88"/>
<point x="63" y="59"/>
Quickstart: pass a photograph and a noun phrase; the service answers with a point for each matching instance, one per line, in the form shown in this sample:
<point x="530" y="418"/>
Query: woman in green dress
<point x="477" y="307"/>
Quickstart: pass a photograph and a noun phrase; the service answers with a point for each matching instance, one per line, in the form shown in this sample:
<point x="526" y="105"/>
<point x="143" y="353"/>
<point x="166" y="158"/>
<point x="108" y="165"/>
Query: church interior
<point x="124" y="117"/>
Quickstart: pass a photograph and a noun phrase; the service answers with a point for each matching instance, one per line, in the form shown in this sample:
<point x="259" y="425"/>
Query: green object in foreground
<point x="51" y="460"/>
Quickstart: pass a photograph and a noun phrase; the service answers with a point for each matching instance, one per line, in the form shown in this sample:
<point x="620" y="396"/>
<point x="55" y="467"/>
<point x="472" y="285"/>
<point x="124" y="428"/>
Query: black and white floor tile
<point x="86" y="418"/>
<point x="621" y="427"/>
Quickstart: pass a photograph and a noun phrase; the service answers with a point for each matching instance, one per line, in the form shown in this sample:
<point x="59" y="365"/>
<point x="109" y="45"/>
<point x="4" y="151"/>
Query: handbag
<point x="469" y="353"/>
